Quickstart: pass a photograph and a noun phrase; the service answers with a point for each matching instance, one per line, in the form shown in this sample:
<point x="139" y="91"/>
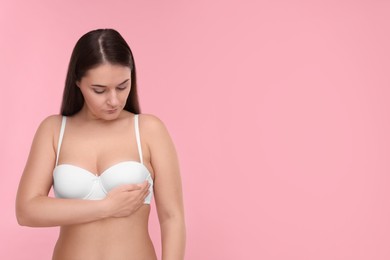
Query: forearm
<point x="45" y="211"/>
<point x="173" y="237"/>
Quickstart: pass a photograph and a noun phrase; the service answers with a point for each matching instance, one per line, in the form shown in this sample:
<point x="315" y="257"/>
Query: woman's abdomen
<point x="113" y="238"/>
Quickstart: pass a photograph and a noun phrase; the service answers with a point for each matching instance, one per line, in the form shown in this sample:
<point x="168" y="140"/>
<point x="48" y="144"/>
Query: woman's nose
<point x="113" y="99"/>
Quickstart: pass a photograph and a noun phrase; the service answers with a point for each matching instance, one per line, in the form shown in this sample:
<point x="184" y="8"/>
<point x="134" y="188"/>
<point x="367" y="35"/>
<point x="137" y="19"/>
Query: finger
<point x="145" y="184"/>
<point x="146" y="193"/>
<point x="147" y="187"/>
<point x="130" y="187"/>
<point x="142" y="194"/>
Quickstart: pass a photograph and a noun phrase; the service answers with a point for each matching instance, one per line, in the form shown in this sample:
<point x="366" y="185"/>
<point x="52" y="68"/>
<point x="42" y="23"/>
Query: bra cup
<point x="72" y="183"/>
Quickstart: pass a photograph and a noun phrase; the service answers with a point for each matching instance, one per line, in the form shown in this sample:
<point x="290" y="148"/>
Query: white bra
<point x="73" y="182"/>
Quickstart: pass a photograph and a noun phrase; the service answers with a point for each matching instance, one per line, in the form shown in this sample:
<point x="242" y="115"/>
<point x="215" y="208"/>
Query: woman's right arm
<point x="35" y="208"/>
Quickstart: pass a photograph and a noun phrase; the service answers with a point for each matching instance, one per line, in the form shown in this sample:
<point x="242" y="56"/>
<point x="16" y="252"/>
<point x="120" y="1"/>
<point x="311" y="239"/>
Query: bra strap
<point x="60" y="138"/>
<point x="138" y="138"/>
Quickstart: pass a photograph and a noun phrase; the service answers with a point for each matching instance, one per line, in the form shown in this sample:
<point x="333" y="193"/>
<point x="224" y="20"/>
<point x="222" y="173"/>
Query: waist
<point x="109" y="237"/>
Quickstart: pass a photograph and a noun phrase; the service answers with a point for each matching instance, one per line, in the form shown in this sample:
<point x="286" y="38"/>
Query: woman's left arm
<point x="167" y="188"/>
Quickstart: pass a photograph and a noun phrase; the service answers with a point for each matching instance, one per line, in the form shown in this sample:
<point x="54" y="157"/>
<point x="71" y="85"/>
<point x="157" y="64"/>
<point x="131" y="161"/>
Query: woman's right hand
<point x="124" y="200"/>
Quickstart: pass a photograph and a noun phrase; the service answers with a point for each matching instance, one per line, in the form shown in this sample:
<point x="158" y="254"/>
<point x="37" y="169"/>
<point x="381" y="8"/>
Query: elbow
<point x="172" y="217"/>
<point x="23" y="217"/>
<point x="22" y="222"/>
<point x="20" y="213"/>
<point x="26" y="221"/>
<point x="29" y="213"/>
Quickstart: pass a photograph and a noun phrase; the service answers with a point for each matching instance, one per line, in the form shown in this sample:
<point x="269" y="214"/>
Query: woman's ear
<point x="78" y="84"/>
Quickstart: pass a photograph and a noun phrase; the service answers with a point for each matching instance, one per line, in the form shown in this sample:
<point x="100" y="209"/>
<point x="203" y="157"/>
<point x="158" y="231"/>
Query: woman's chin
<point x="110" y="114"/>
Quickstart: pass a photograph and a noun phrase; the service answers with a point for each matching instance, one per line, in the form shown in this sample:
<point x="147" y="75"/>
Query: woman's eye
<point x="122" y="88"/>
<point x="98" y="91"/>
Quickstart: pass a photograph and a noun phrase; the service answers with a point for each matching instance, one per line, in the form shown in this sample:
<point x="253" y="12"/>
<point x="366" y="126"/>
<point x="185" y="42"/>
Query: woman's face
<point x="105" y="90"/>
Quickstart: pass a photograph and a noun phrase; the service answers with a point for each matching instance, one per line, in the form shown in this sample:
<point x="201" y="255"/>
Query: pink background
<point x="279" y="110"/>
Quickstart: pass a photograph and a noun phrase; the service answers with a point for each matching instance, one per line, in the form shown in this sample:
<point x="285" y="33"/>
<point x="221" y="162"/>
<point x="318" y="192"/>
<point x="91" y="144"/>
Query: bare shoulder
<point x="49" y="128"/>
<point x="50" y="124"/>
<point x="153" y="129"/>
<point x="151" y="123"/>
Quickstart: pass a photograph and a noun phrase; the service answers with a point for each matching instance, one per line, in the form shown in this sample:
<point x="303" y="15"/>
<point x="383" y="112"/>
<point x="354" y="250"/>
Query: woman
<point x="105" y="163"/>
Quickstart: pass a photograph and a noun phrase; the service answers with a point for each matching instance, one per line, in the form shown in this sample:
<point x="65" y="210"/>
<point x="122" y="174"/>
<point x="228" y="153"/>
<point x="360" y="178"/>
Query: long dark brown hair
<point x="93" y="49"/>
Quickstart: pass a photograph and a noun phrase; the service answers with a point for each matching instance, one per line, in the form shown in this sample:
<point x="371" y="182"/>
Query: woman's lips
<point x="111" y="111"/>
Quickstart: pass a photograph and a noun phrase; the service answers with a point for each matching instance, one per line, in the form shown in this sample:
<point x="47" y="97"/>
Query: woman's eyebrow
<point x="102" y="86"/>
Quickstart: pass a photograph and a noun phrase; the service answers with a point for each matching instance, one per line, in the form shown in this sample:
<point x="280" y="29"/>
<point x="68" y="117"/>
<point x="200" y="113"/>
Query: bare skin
<point x="117" y="226"/>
